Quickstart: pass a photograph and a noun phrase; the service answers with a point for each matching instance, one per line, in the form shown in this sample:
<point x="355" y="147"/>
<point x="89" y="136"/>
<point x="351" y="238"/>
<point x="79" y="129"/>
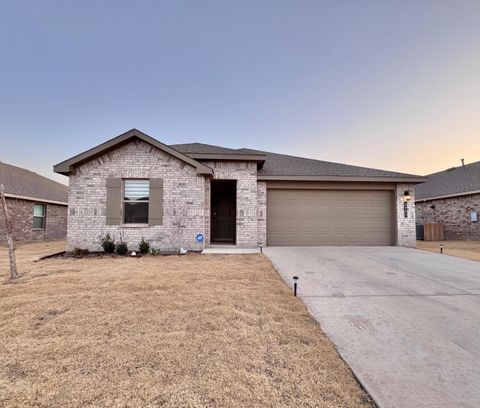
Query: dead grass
<point x="463" y="249"/>
<point x="191" y="331"/>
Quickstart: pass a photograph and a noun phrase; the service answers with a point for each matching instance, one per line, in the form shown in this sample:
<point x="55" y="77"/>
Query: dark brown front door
<point x="223" y="211"/>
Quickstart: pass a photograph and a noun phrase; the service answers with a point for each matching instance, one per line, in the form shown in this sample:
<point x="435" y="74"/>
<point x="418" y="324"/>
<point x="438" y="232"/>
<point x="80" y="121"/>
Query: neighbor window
<point x="39" y="216"/>
<point x="135" y="201"/>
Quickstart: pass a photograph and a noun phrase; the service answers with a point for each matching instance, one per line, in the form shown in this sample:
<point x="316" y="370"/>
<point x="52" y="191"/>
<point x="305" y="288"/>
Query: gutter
<point x="410" y="180"/>
<point x="40" y="200"/>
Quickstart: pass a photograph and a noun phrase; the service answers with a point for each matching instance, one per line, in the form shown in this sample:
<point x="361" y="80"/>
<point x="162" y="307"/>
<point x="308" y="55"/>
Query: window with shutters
<point x="136" y="201"/>
<point x="39" y="212"/>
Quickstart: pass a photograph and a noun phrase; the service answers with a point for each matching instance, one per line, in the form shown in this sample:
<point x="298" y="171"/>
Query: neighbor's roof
<point x="23" y="183"/>
<point x="285" y="167"/>
<point x="451" y="182"/>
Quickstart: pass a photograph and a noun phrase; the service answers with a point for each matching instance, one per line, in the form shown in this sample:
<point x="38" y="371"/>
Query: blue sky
<point x="385" y="84"/>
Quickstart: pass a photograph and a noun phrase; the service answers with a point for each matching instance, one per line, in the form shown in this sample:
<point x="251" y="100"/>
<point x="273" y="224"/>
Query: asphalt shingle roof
<point x="285" y="165"/>
<point x="456" y="180"/>
<point x="191" y="148"/>
<point x="19" y="181"/>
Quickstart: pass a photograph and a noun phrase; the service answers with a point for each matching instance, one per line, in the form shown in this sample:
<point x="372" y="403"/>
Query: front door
<point x="223" y="211"/>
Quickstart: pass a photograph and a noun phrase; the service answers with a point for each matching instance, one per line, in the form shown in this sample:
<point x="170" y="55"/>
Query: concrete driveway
<point x="406" y="321"/>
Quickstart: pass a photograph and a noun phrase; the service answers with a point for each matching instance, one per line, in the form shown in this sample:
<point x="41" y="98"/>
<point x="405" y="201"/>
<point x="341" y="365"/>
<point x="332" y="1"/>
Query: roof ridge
<point x="203" y="144"/>
<point x="454" y="168"/>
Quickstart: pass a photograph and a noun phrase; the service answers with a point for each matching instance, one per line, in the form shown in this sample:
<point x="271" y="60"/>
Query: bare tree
<point x="8" y="221"/>
<point x="179" y="219"/>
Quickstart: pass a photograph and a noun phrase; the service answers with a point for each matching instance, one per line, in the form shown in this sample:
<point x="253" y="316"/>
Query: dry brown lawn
<point x="463" y="249"/>
<point x="190" y="331"/>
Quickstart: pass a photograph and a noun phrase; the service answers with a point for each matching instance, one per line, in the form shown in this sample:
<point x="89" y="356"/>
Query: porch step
<point x="229" y="249"/>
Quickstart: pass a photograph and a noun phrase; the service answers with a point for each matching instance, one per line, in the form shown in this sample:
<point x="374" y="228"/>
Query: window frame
<point x="124" y="202"/>
<point x="43" y="217"/>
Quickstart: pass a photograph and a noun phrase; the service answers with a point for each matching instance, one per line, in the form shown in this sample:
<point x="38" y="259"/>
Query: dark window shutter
<point x="155" y="205"/>
<point x="114" y="201"/>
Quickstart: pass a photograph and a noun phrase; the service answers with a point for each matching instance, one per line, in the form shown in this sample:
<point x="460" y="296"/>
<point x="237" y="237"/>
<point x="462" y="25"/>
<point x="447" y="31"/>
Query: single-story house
<point x="36" y="204"/>
<point x="452" y="198"/>
<point x="134" y="186"/>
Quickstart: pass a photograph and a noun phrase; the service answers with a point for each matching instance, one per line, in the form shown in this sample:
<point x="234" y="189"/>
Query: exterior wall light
<point x="406" y="196"/>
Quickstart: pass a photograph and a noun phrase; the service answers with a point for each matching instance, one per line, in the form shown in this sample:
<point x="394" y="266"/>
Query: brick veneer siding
<point x="262" y="212"/>
<point x="246" y="175"/>
<point x="186" y="201"/>
<point x="22" y="212"/>
<point x="405" y="226"/>
<point x="183" y="204"/>
<point x="454" y="214"/>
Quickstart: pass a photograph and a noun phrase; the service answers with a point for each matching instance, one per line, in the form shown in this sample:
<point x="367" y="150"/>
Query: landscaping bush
<point x="153" y="251"/>
<point x="121" y="248"/>
<point x="143" y="246"/>
<point x="107" y="243"/>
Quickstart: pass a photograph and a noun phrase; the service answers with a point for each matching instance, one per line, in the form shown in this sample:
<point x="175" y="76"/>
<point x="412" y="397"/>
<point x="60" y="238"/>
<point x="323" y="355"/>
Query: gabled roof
<point x="455" y="181"/>
<point x="285" y="167"/>
<point x="67" y="166"/>
<point x="272" y="166"/>
<point x="25" y="184"/>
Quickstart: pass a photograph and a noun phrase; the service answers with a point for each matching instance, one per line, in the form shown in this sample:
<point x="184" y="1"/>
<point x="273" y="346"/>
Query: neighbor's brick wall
<point x="406" y="234"/>
<point x="262" y="212"/>
<point x="246" y="175"/>
<point x="22" y="212"/>
<point x="184" y="199"/>
<point x="454" y="214"/>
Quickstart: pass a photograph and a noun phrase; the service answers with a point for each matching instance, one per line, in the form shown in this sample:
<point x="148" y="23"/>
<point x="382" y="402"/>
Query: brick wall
<point x="262" y="212"/>
<point x="22" y="212"/>
<point x="405" y="225"/>
<point x="184" y="199"/>
<point x="454" y="214"/>
<point x="246" y="175"/>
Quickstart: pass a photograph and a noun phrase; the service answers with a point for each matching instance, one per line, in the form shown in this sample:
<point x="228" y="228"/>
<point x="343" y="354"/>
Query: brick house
<point x="135" y="186"/>
<point x="37" y="205"/>
<point x="452" y="198"/>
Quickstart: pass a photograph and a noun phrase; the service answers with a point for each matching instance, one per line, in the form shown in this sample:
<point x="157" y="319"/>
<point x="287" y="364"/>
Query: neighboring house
<point x="452" y="198"/>
<point x="37" y="205"/>
<point x="134" y="186"/>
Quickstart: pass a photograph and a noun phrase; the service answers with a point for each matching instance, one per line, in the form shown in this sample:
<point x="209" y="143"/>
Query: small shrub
<point x="121" y="248"/>
<point x="143" y="246"/>
<point x="153" y="251"/>
<point x="80" y="252"/>
<point x="107" y="243"/>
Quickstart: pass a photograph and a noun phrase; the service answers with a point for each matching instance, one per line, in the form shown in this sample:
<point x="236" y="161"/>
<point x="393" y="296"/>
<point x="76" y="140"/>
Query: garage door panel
<point x="329" y="217"/>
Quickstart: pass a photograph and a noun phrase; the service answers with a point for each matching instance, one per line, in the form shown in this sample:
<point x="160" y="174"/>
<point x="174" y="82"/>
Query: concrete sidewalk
<point x="405" y="320"/>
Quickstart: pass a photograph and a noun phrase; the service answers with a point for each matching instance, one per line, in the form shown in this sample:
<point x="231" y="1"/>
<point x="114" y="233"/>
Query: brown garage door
<point x="329" y="217"/>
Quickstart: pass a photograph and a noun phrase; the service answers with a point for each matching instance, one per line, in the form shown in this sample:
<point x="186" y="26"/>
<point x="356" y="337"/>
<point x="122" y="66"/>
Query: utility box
<point x="419" y="230"/>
